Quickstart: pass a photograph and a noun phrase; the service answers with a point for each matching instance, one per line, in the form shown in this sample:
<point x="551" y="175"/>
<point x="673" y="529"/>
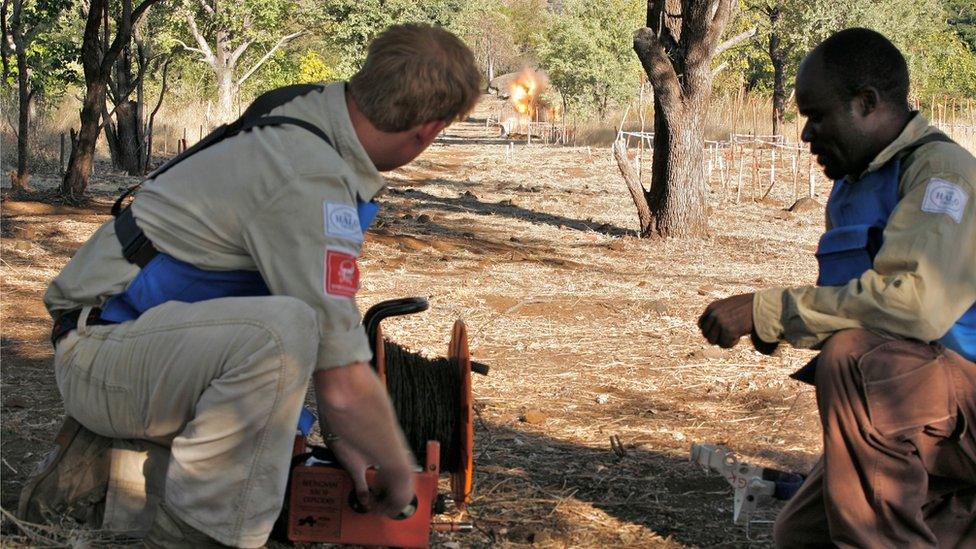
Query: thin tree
<point x="97" y="63"/>
<point x="778" y="52"/>
<point x="126" y="134"/>
<point x="676" y="49"/>
<point x="24" y="26"/>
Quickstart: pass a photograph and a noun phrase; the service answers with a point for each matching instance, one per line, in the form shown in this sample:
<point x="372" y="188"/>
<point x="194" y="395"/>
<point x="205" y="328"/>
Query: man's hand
<point x="726" y="320"/>
<point x="354" y="406"/>
<point x="355" y="463"/>
<point x="391" y="487"/>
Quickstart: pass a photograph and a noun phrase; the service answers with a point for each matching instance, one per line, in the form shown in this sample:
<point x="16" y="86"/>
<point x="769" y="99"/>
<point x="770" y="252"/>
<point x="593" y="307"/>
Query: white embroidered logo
<point x="941" y="196"/>
<point x="342" y="221"/>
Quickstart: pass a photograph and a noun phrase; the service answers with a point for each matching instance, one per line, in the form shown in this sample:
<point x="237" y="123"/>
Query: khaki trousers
<point x="899" y="461"/>
<point x="221" y="383"/>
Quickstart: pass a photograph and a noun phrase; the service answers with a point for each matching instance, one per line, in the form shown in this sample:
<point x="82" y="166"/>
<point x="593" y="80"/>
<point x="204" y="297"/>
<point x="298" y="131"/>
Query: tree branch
<point x="714" y="30"/>
<point x="205" y="50"/>
<point x="207" y="7"/>
<point x="123" y="33"/>
<point x="719" y="68"/>
<point x="281" y="42"/>
<point x="5" y="44"/>
<point x="236" y="54"/>
<point x="657" y="65"/>
<point x="162" y="93"/>
<point x="186" y="47"/>
<point x="735" y="40"/>
<point x="637" y="192"/>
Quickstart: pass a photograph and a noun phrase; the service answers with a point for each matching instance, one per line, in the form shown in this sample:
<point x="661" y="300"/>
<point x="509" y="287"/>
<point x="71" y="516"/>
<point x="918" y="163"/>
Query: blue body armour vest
<point x="858" y="214"/>
<point x="166" y="278"/>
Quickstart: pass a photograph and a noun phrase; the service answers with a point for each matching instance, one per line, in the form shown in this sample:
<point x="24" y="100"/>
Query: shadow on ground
<point x="470" y="204"/>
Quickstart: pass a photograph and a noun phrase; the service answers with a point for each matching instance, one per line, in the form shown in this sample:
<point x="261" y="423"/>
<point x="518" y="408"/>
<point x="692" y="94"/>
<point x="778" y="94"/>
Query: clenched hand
<point x="725" y="321"/>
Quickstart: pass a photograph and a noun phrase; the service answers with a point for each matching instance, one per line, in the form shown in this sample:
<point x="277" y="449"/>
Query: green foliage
<point x="313" y="68"/>
<point x="352" y="24"/>
<point x="938" y="58"/>
<point x="961" y="16"/>
<point x="53" y="49"/>
<point x="527" y="20"/>
<point x="588" y="53"/>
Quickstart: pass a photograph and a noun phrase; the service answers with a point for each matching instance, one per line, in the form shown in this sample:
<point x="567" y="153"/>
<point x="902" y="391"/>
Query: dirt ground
<point x="589" y="331"/>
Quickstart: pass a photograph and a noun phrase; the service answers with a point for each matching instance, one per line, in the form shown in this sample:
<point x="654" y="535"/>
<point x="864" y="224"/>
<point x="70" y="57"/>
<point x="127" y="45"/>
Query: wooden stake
<point x="810" y="174"/>
<point x="61" y="157"/>
<point x="738" y="182"/>
<point x="796" y="172"/>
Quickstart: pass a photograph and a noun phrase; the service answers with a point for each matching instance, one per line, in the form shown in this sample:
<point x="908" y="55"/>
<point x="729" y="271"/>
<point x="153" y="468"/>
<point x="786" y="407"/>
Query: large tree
<point x="23" y="26"/>
<point x="224" y="32"/>
<point x="98" y="62"/>
<point x="676" y="49"/>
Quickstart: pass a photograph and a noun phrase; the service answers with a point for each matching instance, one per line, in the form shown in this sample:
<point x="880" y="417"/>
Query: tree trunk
<point x="129" y="136"/>
<point x="491" y="68"/>
<point x="677" y="195"/>
<point x="225" y="91"/>
<point x="777" y="55"/>
<point x="83" y="146"/>
<point x="676" y="50"/>
<point x="20" y="181"/>
<point x="124" y="135"/>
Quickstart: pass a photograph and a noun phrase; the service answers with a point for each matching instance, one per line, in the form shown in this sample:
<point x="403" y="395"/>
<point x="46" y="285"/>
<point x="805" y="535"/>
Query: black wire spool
<point x="432" y="397"/>
<point x="426" y="397"/>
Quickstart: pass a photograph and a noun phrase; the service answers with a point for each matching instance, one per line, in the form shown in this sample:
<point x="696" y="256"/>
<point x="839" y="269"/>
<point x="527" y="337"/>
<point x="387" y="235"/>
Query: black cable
<point x="426" y="397"/>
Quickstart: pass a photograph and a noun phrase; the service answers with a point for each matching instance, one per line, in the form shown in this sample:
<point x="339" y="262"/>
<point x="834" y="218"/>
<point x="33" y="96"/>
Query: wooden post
<point x="755" y="119"/>
<point x="756" y="151"/>
<point x="796" y="172"/>
<point x="810" y="176"/>
<point x="738" y="183"/>
<point x="953" y="114"/>
<point x="720" y="158"/>
<point x="61" y="157"/>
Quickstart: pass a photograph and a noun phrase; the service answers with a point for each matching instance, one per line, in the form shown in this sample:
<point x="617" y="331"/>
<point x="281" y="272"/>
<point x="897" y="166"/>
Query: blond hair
<point x="414" y="74"/>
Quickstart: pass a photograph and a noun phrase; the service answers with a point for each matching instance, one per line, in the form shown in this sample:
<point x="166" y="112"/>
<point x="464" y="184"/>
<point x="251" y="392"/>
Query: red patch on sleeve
<point x="341" y="274"/>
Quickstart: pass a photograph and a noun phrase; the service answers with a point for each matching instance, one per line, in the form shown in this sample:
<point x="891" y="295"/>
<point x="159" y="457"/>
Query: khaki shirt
<point x="924" y="276"/>
<point x="276" y="200"/>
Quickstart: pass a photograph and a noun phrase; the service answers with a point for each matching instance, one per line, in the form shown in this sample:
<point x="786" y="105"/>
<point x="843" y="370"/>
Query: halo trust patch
<point x="943" y="196"/>
<point x="342" y="221"/>
<point x="341" y="273"/>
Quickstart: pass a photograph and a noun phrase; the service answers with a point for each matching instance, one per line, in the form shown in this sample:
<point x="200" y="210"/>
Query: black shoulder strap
<point x="937" y="137"/>
<point x="253" y="117"/>
<point x="136" y="247"/>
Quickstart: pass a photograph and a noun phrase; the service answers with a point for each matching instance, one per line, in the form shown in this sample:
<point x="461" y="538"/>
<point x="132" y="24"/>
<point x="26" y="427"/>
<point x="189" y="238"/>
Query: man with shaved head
<point x="892" y="312"/>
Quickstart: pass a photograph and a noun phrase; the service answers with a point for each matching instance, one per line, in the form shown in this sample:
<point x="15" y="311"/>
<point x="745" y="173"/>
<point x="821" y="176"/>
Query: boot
<point x="170" y="532"/>
<point x="71" y="480"/>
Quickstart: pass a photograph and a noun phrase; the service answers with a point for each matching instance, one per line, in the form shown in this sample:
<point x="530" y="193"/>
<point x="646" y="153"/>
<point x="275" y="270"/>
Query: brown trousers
<point x="899" y="461"/>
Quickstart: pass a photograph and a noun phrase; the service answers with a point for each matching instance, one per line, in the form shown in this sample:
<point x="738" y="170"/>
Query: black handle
<point x="385" y="309"/>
